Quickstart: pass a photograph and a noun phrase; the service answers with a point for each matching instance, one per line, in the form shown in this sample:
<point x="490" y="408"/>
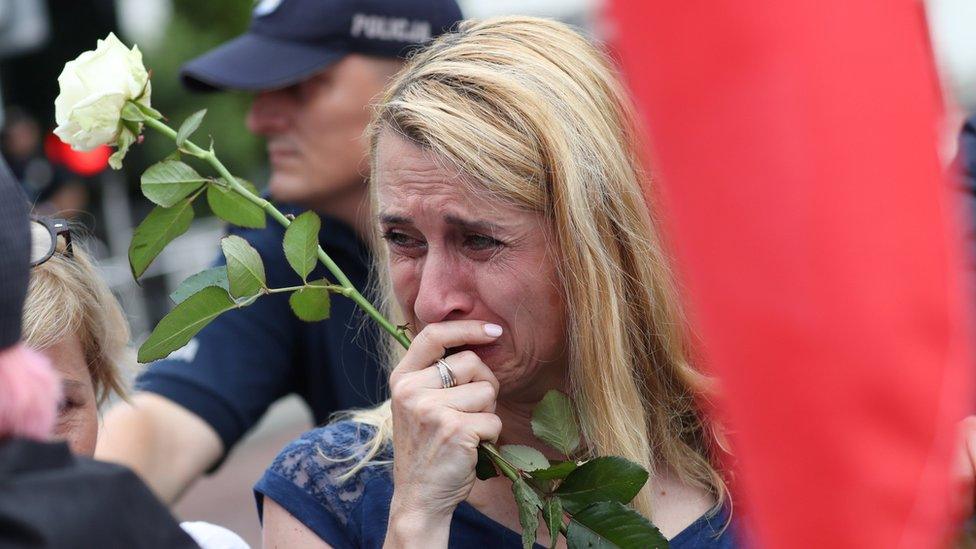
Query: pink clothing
<point x="29" y="394"/>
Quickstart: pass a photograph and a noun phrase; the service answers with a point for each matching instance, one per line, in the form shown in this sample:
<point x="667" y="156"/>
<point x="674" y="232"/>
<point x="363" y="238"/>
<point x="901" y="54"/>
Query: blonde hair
<point x="67" y="297"/>
<point x="533" y="113"/>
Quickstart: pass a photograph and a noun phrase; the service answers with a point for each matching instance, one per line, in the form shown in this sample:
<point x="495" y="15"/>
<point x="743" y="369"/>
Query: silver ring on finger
<point x="447" y="376"/>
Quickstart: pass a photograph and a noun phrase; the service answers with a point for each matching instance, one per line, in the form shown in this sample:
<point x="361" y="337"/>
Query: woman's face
<point x="458" y="254"/>
<point x="78" y="411"/>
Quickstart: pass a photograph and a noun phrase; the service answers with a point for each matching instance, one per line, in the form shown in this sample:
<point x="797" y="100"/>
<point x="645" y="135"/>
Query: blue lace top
<point x="304" y="480"/>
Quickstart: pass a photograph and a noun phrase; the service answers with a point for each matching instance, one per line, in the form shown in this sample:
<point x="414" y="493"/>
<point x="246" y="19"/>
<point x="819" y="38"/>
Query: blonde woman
<point x="73" y="319"/>
<point x="518" y="246"/>
<point x="49" y="497"/>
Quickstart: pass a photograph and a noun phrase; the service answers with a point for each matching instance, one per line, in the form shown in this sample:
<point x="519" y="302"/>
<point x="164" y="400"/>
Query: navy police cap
<point x="290" y="40"/>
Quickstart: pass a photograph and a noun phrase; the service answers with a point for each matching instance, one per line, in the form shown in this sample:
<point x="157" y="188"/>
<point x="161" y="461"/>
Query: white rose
<point x="94" y="88"/>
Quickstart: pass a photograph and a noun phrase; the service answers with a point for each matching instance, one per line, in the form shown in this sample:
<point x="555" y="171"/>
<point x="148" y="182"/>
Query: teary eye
<point x="400" y="240"/>
<point x="479" y="242"/>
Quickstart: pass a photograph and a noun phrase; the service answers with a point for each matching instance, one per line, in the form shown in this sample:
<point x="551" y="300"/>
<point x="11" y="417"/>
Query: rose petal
<point x="98" y="118"/>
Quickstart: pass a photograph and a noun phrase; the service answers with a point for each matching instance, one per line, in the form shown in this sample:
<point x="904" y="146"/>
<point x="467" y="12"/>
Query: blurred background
<point x="38" y="36"/>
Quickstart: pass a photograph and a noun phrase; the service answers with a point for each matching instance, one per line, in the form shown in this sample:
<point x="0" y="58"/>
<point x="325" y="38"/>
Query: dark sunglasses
<point x="44" y="238"/>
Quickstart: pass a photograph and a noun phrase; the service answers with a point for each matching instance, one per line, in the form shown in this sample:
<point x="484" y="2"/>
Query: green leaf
<point x="311" y="303"/>
<point x="189" y="126"/>
<point x="158" y="229"/>
<point x="302" y="242"/>
<point x="232" y="207"/>
<point x="170" y="181"/>
<point x="607" y="478"/>
<point x="528" y="505"/>
<point x="558" y="470"/>
<point x="610" y="524"/>
<point x="184" y="321"/>
<point x="554" y="422"/>
<point x="245" y="270"/>
<point x="552" y="512"/>
<point x="215" y="276"/>
<point x="125" y="140"/>
<point x="174" y="156"/>
<point x="485" y="469"/>
<point x="525" y="458"/>
<point x="132" y="113"/>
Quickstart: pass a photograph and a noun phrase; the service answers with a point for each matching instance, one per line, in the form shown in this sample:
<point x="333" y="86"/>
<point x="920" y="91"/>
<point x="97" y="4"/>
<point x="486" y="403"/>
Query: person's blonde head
<point x="534" y="114"/>
<point x="67" y="297"/>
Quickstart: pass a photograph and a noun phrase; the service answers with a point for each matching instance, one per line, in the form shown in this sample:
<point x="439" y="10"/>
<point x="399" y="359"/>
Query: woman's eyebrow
<point x="390" y="219"/>
<point x="472" y="225"/>
<point x="450" y="219"/>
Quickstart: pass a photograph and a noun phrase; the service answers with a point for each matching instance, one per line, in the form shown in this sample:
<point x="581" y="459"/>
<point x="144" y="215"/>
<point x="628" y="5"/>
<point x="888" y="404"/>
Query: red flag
<point x="795" y="147"/>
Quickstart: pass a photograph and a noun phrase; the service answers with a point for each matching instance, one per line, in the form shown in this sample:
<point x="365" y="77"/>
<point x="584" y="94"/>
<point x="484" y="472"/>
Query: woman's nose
<point x="444" y="293"/>
<point x="270" y="113"/>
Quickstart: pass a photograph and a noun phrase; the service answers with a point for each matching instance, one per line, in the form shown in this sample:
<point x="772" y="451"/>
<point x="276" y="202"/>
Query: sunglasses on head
<point x="45" y="232"/>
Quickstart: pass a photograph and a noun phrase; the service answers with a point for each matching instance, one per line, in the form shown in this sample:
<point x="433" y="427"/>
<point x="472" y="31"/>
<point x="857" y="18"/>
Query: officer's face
<point x="315" y="132"/>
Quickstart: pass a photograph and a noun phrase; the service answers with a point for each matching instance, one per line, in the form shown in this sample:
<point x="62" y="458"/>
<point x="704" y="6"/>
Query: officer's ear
<point x="387" y="67"/>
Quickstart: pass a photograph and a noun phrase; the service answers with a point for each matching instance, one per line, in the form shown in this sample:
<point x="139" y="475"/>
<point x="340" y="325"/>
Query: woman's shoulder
<point x="324" y="468"/>
<point x="330" y="454"/>
<point x="340" y="440"/>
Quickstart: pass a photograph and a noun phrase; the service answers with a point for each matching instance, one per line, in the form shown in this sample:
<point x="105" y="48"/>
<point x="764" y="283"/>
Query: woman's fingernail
<point x="494" y="330"/>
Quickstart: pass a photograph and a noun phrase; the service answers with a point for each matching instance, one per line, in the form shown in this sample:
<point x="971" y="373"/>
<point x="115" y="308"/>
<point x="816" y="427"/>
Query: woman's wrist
<point x="410" y="527"/>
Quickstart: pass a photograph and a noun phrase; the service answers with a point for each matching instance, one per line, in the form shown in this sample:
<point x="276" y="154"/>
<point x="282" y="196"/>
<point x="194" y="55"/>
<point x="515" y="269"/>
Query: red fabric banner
<point x="795" y="151"/>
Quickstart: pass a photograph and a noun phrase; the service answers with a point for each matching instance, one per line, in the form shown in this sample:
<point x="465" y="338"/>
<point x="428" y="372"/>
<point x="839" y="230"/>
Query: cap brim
<point x="256" y="63"/>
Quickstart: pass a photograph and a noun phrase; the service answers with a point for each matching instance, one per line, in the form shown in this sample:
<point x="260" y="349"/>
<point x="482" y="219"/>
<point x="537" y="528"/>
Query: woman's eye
<point x="400" y="240"/>
<point x="65" y="406"/>
<point x="482" y="242"/>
